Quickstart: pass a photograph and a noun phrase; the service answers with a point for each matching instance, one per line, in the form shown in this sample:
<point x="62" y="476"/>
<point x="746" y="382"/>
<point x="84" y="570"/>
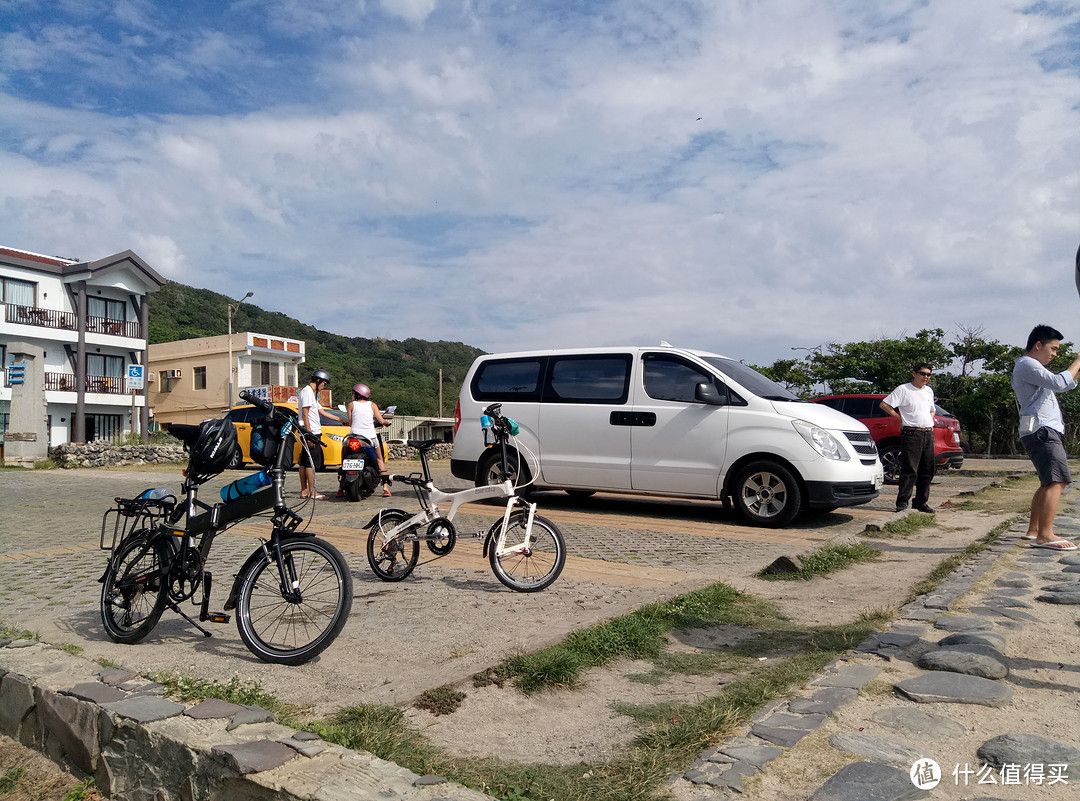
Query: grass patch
<point x="950" y="563"/>
<point x="235" y="690"/>
<point x="108" y="663"/>
<point x="10" y="780"/>
<point x="827" y="560"/>
<point x="71" y="648"/>
<point x="14" y="633"/>
<point x="909" y="524"/>
<point x="638" y="635"/>
<point x="443" y="700"/>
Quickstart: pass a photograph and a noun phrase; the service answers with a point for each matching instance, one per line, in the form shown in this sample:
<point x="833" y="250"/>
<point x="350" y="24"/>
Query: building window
<point x="106" y="309"/>
<point x="200" y="377"/>
<point x="264" y="373"/>
<point x="99" y="365"/>
<point x="166" y="380"/>
<point x="16" y="292"/>
<point x="104" y="426"/>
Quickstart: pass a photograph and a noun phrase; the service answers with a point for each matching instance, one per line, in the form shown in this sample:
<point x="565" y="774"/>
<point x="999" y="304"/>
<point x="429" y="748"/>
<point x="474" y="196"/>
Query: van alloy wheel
<point x="767" y="494"/>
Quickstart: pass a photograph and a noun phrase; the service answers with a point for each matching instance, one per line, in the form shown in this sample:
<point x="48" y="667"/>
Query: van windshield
<point x="753" y="380"/>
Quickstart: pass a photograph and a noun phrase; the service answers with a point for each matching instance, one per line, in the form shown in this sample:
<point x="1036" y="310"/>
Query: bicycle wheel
<point x="289" y="632"/>
<point x="531" y="569"/>
<point x="392" y="560"/>
<point x="134" y="588"/>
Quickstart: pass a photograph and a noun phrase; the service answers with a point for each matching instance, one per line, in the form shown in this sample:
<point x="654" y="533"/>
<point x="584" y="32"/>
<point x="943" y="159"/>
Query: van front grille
<point x="862" y="442"/>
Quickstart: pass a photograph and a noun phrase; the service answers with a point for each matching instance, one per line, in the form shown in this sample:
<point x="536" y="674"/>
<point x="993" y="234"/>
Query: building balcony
<point x="53" y="318"/>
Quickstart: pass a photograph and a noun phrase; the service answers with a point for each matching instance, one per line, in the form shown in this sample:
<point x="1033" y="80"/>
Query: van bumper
<point x="464" y="469"/>
<point x="831" y="494"/>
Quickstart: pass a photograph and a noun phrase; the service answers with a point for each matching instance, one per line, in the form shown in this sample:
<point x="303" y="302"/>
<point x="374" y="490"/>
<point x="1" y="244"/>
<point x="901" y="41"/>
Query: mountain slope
<point x="402" y="373"/>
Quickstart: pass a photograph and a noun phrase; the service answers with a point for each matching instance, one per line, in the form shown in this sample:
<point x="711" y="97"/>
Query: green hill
<point x="402" y="373"/>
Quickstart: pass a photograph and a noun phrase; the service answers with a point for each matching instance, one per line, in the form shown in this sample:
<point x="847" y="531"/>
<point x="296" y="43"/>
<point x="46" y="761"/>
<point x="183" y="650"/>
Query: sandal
<point x="320" y="497"/>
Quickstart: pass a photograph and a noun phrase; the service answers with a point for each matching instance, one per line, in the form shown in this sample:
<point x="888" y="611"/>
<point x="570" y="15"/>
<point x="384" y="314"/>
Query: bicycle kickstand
<point x="176" y="608"/>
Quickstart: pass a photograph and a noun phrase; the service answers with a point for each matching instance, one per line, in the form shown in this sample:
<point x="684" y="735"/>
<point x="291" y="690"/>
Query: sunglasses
<point x="924" y="373"/>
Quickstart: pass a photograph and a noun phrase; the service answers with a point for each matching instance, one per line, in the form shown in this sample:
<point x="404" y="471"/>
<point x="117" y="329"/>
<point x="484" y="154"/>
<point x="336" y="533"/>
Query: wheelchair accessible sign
<point x="134" y="377"/>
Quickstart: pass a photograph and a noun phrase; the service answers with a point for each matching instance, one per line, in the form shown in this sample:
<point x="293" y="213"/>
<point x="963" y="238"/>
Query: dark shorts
<point x="1046" y="448"/>
<point x="305" y="460"/>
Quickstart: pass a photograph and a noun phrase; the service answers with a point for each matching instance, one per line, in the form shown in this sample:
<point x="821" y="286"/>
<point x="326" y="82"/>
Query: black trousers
<point x="916" y="465"/>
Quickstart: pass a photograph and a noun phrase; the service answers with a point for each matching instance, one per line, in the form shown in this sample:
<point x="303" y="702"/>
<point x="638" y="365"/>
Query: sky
<point x="745" y="177"/>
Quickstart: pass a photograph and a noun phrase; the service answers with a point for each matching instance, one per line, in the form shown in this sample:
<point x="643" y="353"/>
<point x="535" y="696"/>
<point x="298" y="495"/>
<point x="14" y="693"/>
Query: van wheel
<point x="489" y="471"/>
<point x="890" y="460"/>
<point x="767" y="494"/>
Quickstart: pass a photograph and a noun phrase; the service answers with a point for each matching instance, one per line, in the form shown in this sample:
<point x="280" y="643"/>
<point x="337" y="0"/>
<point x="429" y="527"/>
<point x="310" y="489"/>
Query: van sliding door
<point x="584" y="443"/>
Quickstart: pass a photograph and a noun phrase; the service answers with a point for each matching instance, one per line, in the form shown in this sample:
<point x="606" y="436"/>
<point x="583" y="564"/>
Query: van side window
<point x="672" y="380"/>
<point x="508" y="380"/>
<point x="589" y="379"/>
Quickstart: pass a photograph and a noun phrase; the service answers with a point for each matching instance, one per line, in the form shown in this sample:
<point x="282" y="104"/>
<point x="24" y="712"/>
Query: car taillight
<point x="940" y="423"/>
<point x="457" y="416"/>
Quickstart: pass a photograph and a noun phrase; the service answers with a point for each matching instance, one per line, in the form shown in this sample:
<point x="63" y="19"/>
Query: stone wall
<point x="106" y="454"/>
<point x="117" y="728"/>
<point x="441" y="451"/>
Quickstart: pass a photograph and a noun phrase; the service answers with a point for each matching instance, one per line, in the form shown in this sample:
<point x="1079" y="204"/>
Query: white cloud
<point x="741" y="177"/>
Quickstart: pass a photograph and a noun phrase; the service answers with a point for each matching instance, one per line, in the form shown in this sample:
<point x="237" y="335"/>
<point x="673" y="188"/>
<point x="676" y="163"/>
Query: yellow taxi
<point x="335" y="427"/>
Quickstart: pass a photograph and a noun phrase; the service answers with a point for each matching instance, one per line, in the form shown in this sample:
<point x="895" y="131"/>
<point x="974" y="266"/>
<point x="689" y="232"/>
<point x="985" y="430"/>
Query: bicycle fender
<point x="375" y="519"/>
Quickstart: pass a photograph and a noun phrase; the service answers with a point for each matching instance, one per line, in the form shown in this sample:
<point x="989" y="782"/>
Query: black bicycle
<point x="293" y="594"/>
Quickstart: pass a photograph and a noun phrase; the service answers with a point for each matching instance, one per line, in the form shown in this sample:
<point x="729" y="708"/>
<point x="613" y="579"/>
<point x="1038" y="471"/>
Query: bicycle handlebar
<point x="265" y="405"/>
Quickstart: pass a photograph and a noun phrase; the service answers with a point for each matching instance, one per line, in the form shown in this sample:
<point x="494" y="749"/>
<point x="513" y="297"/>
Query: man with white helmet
<point x="310" y="420"/>
<point x="363" y="414"/>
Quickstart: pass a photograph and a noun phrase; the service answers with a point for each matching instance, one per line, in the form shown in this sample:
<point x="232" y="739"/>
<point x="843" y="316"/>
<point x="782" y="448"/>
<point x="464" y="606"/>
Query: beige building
<point x="189" y="378"/>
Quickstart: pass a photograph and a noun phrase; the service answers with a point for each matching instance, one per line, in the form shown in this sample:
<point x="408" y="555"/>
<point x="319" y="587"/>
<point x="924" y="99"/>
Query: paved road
<point x="450" y="619"/>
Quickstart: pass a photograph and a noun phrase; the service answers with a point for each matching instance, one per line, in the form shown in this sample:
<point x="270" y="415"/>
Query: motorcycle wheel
<point x="352" y="491"/>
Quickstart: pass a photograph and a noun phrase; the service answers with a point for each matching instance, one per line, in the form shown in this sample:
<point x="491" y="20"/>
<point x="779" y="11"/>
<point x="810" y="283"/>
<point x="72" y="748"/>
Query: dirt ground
<point x="570" y="726"/>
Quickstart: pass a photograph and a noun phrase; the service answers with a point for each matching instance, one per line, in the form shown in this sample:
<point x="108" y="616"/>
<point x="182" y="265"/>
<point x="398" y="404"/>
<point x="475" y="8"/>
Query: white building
<point x="89" y="320"/>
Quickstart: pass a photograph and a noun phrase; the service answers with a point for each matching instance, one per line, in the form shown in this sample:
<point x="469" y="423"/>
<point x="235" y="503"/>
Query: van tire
<point x="890" y="455"/>
<point x="767" y="494"/>
<point x="487" y="469"/>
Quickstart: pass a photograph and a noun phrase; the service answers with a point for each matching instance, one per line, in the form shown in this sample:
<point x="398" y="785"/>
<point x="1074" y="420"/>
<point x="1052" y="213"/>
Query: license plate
<point x="879" y="480"/>
<point x="352" y="464"/>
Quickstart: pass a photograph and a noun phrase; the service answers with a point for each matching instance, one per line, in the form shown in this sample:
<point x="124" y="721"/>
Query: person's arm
<point x="889" y="410"/>
<point x="379" y="417"/>
<point x="1040" y="376"/>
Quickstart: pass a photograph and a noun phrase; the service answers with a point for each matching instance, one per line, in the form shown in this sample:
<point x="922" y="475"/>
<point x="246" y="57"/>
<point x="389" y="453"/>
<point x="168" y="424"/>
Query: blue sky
<point x="743" y="177"/>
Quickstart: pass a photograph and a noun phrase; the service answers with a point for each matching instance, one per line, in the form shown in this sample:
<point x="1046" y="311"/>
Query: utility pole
<point x="440" y="392"/>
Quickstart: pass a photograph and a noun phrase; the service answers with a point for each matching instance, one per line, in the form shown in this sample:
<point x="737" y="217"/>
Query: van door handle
<point x="633" y="419"/>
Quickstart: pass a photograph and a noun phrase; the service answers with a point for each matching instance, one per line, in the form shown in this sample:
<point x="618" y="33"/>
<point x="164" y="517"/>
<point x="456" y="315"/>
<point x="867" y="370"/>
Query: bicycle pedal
<point x="217" y="617"/>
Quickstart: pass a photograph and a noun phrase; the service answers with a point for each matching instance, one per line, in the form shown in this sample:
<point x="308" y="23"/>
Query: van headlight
<point x="821" y="441"/>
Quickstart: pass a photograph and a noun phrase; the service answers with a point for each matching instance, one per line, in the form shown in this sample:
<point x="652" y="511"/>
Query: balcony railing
<point x="105" y="325"/>
<point x="52" y="318"/>
<point x="46" y="318"/>
<point x="103" y="385"/>
<point x="60" y="382"/>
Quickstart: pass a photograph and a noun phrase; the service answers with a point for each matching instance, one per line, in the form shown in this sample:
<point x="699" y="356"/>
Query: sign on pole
<point x="134" y="377"/>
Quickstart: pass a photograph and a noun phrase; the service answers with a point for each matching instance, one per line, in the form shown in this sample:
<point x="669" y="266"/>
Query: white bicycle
<point x="526" y="551"/>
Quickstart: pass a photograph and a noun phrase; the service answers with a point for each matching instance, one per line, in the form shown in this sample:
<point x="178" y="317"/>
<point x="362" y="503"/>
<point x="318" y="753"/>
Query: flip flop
<point x="1056" y="545"/>
<point x="324" y="498"/>
<point x="1027" y="537"/>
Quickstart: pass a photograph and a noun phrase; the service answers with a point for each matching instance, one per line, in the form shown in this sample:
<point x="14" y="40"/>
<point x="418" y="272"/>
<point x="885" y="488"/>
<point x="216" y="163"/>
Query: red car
<point x="886" y="432"/>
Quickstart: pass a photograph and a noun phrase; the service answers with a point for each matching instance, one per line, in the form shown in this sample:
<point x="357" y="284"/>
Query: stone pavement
<point x="448" y="621"/>
<point x="919" y="740"/>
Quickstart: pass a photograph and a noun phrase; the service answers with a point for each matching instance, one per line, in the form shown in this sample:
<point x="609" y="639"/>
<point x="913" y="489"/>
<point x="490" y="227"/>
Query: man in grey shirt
<point x="1042" y="430"/>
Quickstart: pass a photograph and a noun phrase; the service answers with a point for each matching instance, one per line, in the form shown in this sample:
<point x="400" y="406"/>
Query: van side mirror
<point x="706" y="393"/>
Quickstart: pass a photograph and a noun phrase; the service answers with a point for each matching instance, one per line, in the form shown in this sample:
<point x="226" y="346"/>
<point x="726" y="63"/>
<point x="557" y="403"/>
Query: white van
<point x="666" y="421"/>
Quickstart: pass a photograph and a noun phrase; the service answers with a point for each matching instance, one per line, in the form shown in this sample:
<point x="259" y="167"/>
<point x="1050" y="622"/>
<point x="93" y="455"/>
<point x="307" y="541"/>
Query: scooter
<point x="358" y="476"/>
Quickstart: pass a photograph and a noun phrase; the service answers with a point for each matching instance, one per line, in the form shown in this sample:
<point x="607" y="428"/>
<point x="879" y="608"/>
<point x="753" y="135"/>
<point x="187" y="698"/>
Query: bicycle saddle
<point x="424" y="445"/>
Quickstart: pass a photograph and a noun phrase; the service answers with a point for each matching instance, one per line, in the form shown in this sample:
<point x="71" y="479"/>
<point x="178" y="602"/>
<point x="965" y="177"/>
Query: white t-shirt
<point x="916" y="406"/>
<point x="310" y="401"/>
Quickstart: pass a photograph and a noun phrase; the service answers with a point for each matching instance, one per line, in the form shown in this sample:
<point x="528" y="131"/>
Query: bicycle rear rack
<point x="133" y="514"/>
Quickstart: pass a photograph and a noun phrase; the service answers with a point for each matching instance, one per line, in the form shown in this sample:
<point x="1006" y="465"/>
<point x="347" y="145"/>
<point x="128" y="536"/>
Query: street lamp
<point x="230" y="308"/>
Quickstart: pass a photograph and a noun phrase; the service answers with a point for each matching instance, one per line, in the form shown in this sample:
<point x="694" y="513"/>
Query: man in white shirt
<point x="1042" y="430"/>
<point x="308" y="402"/>
<point x="913" y="405"/>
